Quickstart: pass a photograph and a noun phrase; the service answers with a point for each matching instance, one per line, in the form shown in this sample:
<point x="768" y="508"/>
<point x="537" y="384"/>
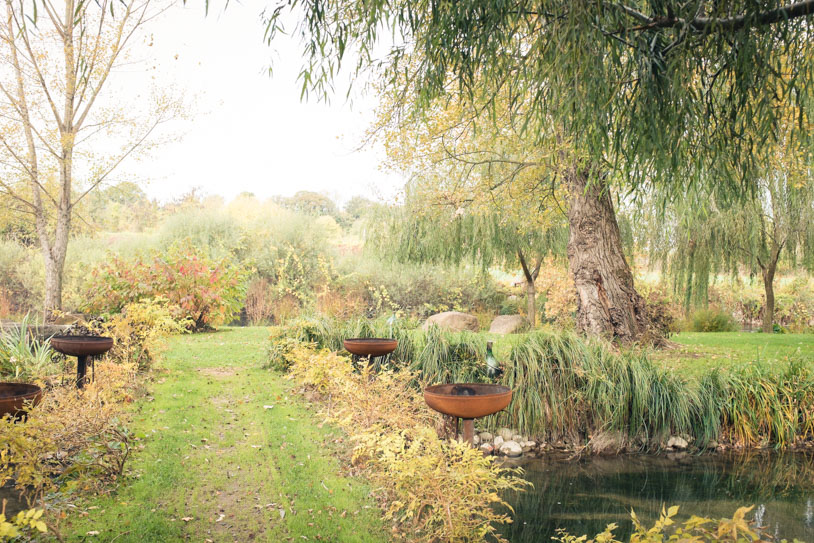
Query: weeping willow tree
<point x="686" y="238"/>
<point x="459" y="230"/>
<point x="477" y="192"/>
<point x="777" y="224"/>
<point x="711" y="234"/>
<point x="633" y="93"/>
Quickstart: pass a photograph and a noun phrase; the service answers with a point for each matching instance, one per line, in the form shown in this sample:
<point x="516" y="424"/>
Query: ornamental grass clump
<point x="24" y="358"/>
<point x="432" y="489"/>
<point x="766" y="406"/>
<point x="573" y="389"/>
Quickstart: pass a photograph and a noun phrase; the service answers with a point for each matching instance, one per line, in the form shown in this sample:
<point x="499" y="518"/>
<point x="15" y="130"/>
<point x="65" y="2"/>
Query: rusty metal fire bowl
<point x="82" y="347"/>
<point x="13" y="398"/>
<point x="371" y="347"/>
<point x="468" y="401"/>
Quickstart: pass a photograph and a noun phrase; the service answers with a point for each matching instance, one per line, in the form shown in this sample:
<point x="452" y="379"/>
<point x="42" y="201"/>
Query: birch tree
<point x="61" y="134"/>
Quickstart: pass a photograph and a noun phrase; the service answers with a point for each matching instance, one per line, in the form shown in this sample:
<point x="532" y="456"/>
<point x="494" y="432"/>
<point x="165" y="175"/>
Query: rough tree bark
<point x="607" y="302"/>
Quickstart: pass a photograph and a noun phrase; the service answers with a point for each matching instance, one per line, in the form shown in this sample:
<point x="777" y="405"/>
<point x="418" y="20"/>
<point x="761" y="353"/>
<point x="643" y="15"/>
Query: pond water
<point x="11" y="498"/>
<point x="583" y="496"/>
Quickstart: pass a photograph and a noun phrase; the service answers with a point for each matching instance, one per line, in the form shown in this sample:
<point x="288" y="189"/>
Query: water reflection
<point x="584" y="496"/>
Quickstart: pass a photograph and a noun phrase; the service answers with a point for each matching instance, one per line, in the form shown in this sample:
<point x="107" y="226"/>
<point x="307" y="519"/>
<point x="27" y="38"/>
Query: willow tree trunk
<point x="531" y="303"/>
<point x="768" y="285"/>
<point x="607" y="302"/>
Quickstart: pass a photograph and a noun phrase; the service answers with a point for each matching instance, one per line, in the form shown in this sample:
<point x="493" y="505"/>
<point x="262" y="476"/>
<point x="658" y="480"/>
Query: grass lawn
<point x="697" y="352"/>
<point x="220" y="464"/>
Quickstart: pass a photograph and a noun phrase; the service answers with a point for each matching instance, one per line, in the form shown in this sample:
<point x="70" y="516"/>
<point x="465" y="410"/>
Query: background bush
<point x="198" y="290"/>
<point x="712" y="320"/>
<point x="303" y="254"/>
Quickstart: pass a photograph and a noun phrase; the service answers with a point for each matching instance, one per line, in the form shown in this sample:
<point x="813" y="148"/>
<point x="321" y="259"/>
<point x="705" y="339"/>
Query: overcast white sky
<point x="249" y="131"/>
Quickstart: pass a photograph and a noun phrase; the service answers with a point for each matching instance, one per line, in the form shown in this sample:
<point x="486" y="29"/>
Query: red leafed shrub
<point x="203" y="290"/>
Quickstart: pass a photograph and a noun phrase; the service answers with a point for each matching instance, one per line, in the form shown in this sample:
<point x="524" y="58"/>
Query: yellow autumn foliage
<point x="432" y="489"/>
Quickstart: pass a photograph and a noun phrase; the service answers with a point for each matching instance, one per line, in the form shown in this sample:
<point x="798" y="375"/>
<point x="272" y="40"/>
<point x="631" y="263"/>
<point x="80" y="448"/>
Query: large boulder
<point x="507" y="324"/>
<point x="453" y="320"/>
<point x="677" y="442"/>
<point x="512" y="449"/>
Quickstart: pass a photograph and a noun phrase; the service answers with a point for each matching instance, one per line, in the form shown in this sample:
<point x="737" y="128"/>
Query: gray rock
<point x="498" y="442"/>
<point x="453" y="320"/>
<point x="486" y="436"/>
<point x="511" y="449"/>
<point x="476" y="439"/>
<point x="487" y="449"/>
<point x="677" y="442"/>
<point x="505" y="433"/>
<point x="518" y="438"/>
<point x="528" y="445"/>
<point x="507" y="324"/>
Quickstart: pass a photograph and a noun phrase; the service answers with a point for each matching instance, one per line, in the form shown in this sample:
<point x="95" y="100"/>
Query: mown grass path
<point x="220" y="464"/>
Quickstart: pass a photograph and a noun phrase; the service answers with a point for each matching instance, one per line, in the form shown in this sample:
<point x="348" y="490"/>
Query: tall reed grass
<point x="566" y="387"/>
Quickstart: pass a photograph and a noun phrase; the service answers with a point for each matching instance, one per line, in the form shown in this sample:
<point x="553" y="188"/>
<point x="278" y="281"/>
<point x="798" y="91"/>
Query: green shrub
<point x="794" y="305"/>
<point x="712" y="320"/>
<point x="512" y="306"/>
<point x="213" y="232"/>
<point x="199" y="290"/>
<point x="416" y="290"/>
<point x="280" y="349"/>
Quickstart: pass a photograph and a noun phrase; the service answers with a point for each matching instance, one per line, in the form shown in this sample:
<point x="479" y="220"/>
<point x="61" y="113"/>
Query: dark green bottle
<point x="493" y="369"/>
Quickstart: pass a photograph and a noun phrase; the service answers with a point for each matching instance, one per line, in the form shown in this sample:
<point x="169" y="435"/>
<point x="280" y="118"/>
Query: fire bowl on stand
<point x="468" y="401"/>
<point x="82" y="347"/>
<point x="13" y="398"/>
<point x="369" y="347"/>
<point x="372" y="347"/>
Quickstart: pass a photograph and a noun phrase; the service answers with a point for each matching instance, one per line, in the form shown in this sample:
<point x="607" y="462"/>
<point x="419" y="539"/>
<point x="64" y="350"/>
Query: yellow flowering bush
<point x="139" y="330"/>
<point x="73" y="440"/>
<point x="22" y="523"/>
<point x="432" y="489"/>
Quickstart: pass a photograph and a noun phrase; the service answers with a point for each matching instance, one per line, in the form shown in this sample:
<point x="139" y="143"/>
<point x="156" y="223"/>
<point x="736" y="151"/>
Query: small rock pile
<point x="512" y="444"/>
<point x="507" y="442"/>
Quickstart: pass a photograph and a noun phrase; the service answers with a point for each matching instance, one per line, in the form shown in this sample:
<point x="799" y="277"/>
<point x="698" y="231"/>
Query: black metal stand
<point x="82" y="370"/>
